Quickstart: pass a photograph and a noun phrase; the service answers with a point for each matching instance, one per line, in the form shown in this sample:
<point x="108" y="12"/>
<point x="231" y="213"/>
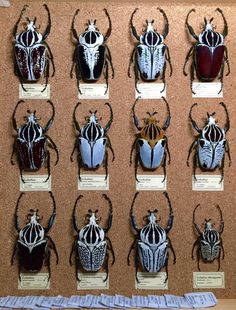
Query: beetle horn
<point x="28" y="20"/>
<point x="190" y="28"/>
<point x="211" y="20"/>
<point x="35" y="20"/>
<point x="225" y="31"/>
<point x="166" y="27"/>
<point x="205" y="21"/>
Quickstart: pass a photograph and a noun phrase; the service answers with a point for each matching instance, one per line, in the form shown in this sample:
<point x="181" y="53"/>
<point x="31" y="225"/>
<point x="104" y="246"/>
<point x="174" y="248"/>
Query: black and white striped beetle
<point x="31" y="143"/>
<point x="209" y="243"/>
<point x="92" y="244"/>
<point x="210" y="144"/>
<point x="92" y="142"/>
<point x="92" y="55"/>
<point x="32" y="53"/>
<point x="33" y="244"/>
<point x="150" y="54"/>
<point x="151" y="243"/>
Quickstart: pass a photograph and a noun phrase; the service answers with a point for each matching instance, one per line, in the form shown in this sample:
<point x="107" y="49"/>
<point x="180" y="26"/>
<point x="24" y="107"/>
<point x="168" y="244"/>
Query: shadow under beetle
<point x="33" y="243"/>
<point x="209" y="53"/>
<point x="92" y="245"/>
<point x="210" y="145"/>
<point x="151" y="143"/>
<point x="32" y="53"/>
<point x="151" y="242"/>
<point x="150" y="54"/>
<point x="31" y="143"/>
<point x="92" y="55"/>
<point x="92" y="142"/>
<point x="209" y="243"/>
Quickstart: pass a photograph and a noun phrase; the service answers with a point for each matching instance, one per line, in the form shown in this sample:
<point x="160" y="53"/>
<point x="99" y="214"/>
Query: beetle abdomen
<point x="209" y="61"/>
<point x="92" y="258"/>
<point x="210" y="245"/>
<point x="92" y="154"/>
<point x="151" y="158"/>
<point x="32" y="261"/>
<point x="210" y="154"/>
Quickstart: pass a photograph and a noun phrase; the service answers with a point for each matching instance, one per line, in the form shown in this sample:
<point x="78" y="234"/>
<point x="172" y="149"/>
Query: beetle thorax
<point x="151" y="132"/>
<point x="151" y="38"/>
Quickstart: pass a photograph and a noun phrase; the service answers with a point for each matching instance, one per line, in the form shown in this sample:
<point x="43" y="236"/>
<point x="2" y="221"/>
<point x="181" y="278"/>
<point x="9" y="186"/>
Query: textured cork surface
<point x="122" y="135"/>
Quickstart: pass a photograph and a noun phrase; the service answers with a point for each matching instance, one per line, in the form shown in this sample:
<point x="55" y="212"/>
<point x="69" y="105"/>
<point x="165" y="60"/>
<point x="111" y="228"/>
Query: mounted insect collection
<point x="107" y="201"/>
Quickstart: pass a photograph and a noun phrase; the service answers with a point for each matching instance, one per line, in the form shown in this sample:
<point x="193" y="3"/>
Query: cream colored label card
<point x="151" y="183"/>
<point x="93" y="91"/>
<point x="150" y="91"/>
<point x="207" y="183"/>
<point x="31" y="281"/>
<point x="34" y="91"/>
<point x="90" y="281"/>
<point x="93" y="182"/>
<point x="207" y="90"/>
<point x="35" y="183"/>
<point x="208" y="280"/>
<point x="151" y="280"/>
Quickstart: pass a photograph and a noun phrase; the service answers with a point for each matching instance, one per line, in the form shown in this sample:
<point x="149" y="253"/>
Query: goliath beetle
<point x="33" y="243"/>
<point x="31" y="142"/>
<point x="209" y="53"/>
<point x="92" y="142"/>
<point x="32" y="53"/>
<point x="92" y="55"/>
<point x="150" y="54"/>
<point x="210" y="145"/>
<point x="151" y="242"/>
<point x="91" y="243"/>
<point x="209" y="243"/>
<point x="151" y="144"/>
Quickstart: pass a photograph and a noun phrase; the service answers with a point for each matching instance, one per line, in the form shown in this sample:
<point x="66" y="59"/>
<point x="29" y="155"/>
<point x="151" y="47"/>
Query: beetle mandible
<point x="92" y="55"/>
<point x="211" y="144"/>
<point x="92" y="142"/>
<point x="33" y="243"/>
<point x="150" y="54"/>
<point x="209" y="242"/>
<point x="32" y="53"/>
<point x="31" y="142"/>
<point x="209" y="53"/>
<point x="92" y="245"/>
<point x="151" y="143"/>
<point x="151" y="242"/>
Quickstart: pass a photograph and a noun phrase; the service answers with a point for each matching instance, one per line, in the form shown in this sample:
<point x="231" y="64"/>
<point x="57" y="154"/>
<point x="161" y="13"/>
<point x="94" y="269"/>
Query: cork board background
<point x="122" y="134"/>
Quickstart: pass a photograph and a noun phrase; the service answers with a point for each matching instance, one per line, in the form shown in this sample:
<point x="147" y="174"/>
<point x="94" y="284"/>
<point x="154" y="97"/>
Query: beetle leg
<point x="50" y="57"/>
<point x="221" y="76"/>
<point x="106" y="267"/>
<point x="74" y="32"/>
<point x="48" y="28"/>
<point x="110" y="213"/>
<point x="52" y="217"/>
<point x="198" y="257"/>
<point x="193" y="145"/>
<point x="75" y="223"/>
<point x="171" y="217"/>
<point x="80" y="163"/>
<point x="194" y="245"/>
<point x="49" y="123"/>
<point x="226" y="59"/>
<point x="17" y="226"/>
<point x="222" y="169"/>
<point x="110" y="61"/>
<point x="164" y="166"/>
<point x="48" y="166"/>
<point x="19" y="19"/>
<point x="190" y="28"/>
<point x="131" y="61"/>
<point x="75" y="146"/>
<point x="106" y="165"/>
<point x="108" y="33"/>
<point x="166" y="268"/>
<point x="54" y="147"/>
<point x="167" y="150"/>
<point x="187" y="59"/>
<point x="110" y="147"/>
<point x="131" y="248"/>
<point x="169" y="59"/>
<point x="46" y="74"/>
<point x="76" y="63"/>
<point x="73" y="63"/>
<point x="21" y="172"/>
<point x="110" y="247"/>
<point x="222" y="248"/>
<point x="221" y="228"/>
<point x="172" y="250"/>
<point x="17" y="73"/>
<point x="106" y="75"/>
<point x="166" y="27"/>
<point x="227" y="150"/>
<point x="195" y="161"/>
<point x="192" y="76"/>
<point x="133" y="219"/>
<point x="133" y="30"/>
<point x="136" y="73"/>
<point x="53" y="247"/>
<point x="72" y="251"/>
<point x="14" y="115"/>
<point x="134" y="146"/>
<point x="108" y="125"/>
<point x="136" y="166"/>
<point x="163" y="77"/>
<point x="14" y="252"/>
<point x="13" y="151"/>
<point x="194" y="222"/>
<point x="47" y="263"/>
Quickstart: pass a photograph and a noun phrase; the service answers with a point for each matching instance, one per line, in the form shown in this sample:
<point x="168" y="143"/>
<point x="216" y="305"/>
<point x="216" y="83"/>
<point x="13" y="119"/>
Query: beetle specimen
<point x="31" y="142"/>
<point x="32" y="53"/>
<point x="92" y="55"/>
<point x="150" y="54"/>
<point x="209" y="243"/>
<point x="151" y="144"/>
<point x="210" y="145"/>
<point x="151" y="242"/>
<point x="33" y="243"/>
<point x="92" y="142"/>
<point x="209" y="53"/>
<point x="91" y="243"/>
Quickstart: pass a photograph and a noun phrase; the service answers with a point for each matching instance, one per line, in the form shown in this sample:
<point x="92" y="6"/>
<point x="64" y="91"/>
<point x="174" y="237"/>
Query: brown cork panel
<point x="122" y="135"/>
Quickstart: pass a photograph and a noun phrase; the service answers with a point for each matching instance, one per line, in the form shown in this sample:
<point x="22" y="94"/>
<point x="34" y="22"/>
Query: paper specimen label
<point x="89" y="281"/>
<point x="207" y="183"/>
<point x="93" y="182"/>
<point x="151" y="183"/>
<point x="34" y="91"/>
<point x="150" y="91"/>
<point x="35" y="183"/>
<point x="93" y="91"/>
<point x="207" y="90"/>
<point x="151" y="280"/>
<point x="208" y="280"/>
<point x="37" y="281"/>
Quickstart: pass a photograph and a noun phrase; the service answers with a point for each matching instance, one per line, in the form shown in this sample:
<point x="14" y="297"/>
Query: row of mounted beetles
<point x="92" y="246"/>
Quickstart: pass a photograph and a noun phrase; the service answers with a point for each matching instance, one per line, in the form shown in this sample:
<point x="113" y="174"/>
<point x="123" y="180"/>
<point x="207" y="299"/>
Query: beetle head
<point x="33" y="216"/>
<point x="208" y="224"/>
<point x="208" y="26"/>
<point x="92" y="217"/>
<point x="92" y="25"/>
<point x="92" y="118"/>
<point x="151" y="218"/>
<point x="210" y="119"/>
<point x="31" y="118"/>
<point x="149" y="26"/>
<point x="151" y="119"/>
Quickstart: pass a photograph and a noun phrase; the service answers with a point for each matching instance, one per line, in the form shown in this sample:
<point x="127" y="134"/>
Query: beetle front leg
<point x="110" y="61"/>
<point x="19" y="19"/>
<point x="187" y="59"/>
<point x="17" y="226"/>
<point x="48" y="28"/>
<point x="222" y="169"/>
<point x="54" y="147"/>
<point x="50" y="57"/>
<point x="75" y="146"/>
<point x="110" y="147"/>
<point x="80" y="163"/>
<point x="48" y="166"/>
<point x="193" y="145"/>
<point x="106" y="75"/>
<point x="136" y="167"/>
<point x="163" y="77"/>
<point x="172" y="250"/>
<point x="194" y="245"/>
<point x="131" y="61"/>
<point x="222" y="248"/>
<point x="72" y="251"/>
<point x="53" y="247"/>
<point x="169" y="59"/>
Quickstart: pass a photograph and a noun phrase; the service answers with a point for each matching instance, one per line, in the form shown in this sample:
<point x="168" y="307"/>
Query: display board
<point x="122" y="186"/>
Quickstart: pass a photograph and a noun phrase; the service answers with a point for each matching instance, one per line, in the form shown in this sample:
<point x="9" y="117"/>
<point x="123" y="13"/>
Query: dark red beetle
<point x="209" y="54"/>
<point x="31" y="142"/>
